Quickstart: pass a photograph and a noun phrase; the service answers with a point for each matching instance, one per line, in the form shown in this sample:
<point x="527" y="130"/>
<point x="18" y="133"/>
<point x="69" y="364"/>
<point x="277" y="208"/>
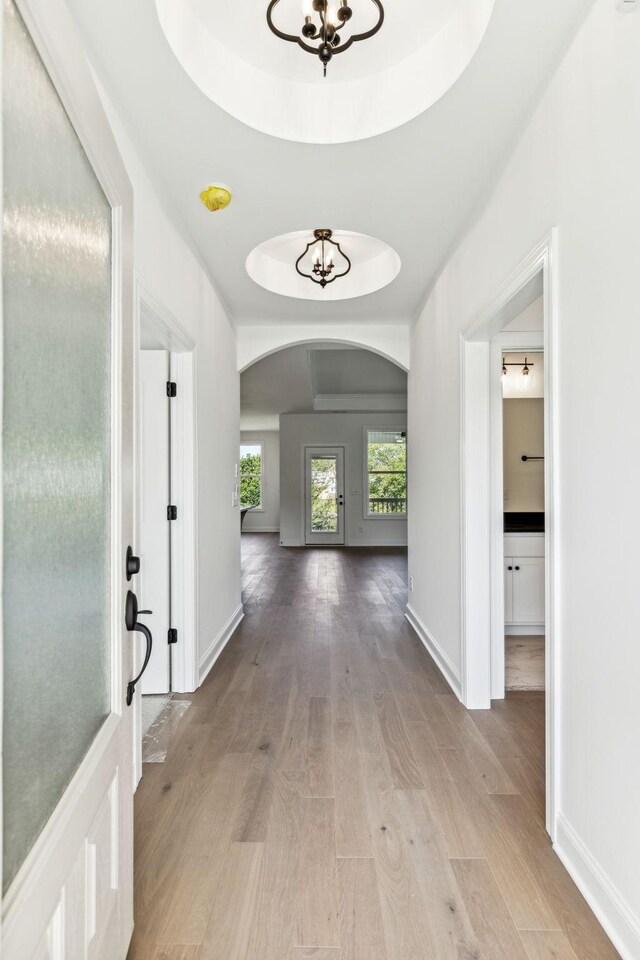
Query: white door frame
<point x="50" y="893"/>
<point x="184" y="471"/>
<point x="482" y="504"/>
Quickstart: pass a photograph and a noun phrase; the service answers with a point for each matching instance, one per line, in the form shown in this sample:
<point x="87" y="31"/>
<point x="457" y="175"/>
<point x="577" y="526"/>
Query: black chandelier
<point x="322" y="262"/>
<point x="332" y="15"/>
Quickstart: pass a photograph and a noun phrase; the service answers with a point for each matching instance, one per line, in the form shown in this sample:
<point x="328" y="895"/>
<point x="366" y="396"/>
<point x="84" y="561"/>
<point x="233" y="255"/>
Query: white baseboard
<point x="220" y="642"/>
<point x="614" y="913"/>
<point x="261" y="530"/>
<point x="447" y="669"/>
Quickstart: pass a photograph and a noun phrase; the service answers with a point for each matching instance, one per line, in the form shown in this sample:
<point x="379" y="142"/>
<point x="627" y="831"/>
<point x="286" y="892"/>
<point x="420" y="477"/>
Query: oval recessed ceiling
<point x="277" y="88"/>
<point x="374" y="265"/>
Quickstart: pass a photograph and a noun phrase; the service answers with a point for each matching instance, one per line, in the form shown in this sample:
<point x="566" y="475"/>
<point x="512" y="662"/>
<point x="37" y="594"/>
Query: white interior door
<point x="153" y="374"/>
<point x="67" y="442"/>
<point x="324" y="495"/>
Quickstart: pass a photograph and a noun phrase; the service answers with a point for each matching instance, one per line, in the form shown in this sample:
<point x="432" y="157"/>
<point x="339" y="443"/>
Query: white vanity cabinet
<point x="524" y="580"/>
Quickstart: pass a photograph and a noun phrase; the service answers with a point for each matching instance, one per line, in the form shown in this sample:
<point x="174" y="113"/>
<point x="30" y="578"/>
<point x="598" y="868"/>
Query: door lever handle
<point x="133" y="625"/>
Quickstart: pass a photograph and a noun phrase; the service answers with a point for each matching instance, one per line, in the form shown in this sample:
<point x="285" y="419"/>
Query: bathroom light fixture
<point x="323" y="19"/>
<point x="526" y="367"/>
<point x="321" y="262"/>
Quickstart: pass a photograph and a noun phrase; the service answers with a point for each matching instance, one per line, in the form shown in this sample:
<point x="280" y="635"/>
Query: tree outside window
<point x="387" y="473"/>
<point x="251" y="474"/>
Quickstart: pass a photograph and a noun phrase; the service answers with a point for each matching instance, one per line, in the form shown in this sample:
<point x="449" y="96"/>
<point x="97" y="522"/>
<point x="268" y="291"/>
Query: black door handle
<point x="133" y="625"/>
<point x="509" y="568"/>
<point x="517" y="568"/>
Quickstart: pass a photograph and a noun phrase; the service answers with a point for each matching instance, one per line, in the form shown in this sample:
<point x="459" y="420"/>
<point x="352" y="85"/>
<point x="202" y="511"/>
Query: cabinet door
<point x="528" y="590"/>
<point x="508" y="590"/>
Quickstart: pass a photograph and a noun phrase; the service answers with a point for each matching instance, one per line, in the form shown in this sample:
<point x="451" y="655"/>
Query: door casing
<point x="482" y="546"/>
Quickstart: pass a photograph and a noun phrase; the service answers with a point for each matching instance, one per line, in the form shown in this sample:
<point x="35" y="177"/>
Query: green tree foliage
<point x="324" y="516"/>
<point x="387" y="464"/>
<point x="250" y="485"/>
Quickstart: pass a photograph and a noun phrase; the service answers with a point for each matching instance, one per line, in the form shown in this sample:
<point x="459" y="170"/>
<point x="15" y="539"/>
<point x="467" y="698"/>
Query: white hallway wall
<point x="576" y="166"/>
<point x="298" y="430"/>
<point x="267" y="521"/>
<point x="175" y="277"/>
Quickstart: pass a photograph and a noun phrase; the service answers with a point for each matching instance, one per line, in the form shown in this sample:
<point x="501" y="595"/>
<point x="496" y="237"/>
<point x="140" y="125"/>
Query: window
<point x="252" y="474"/>
<point x="386" y="467"/>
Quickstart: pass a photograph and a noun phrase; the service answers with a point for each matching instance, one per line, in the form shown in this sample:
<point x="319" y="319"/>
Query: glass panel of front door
<point x="56" y="447"/>
<point x="324" y="495"/>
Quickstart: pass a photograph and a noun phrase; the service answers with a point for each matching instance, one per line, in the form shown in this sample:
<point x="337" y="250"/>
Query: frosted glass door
<point x="56" y="449"/>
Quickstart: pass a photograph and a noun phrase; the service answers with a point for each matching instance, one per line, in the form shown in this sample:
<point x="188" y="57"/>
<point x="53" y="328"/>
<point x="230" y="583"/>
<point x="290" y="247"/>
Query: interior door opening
<point x="516" y="332"/>
<point x="524" y="519"/>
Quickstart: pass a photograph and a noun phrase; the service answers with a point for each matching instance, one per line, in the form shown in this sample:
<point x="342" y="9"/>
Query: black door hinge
<point x="173" y="635"/>
<point x="172" y="512"/>
<point x="172" y="389"/>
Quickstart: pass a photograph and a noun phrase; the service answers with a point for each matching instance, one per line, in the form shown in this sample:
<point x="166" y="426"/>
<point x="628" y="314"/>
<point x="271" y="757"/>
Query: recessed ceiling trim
<point x="368" y="106"/>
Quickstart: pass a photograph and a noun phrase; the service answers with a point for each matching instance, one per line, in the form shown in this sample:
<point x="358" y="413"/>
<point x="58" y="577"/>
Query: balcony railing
<point x="387" y="505"/>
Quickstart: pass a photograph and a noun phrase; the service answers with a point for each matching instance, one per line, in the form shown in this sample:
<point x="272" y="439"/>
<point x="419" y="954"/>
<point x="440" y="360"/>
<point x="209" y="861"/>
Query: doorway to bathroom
<point x="517" y="327"/>
<point x="524" y="514"/>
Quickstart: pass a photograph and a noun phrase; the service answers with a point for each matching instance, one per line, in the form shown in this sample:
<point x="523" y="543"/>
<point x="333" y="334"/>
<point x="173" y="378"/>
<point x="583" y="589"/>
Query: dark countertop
<point x="524" y="523"/>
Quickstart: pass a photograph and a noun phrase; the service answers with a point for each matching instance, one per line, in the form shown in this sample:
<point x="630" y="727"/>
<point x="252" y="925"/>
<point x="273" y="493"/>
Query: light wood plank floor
<point x="326" y="797"/>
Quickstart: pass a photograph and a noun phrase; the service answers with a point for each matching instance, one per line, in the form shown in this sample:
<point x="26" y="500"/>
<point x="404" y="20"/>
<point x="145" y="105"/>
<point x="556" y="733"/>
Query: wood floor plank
<point x="272" y="933"/>
<point x="317" y="897"/>
<point x="401" y="759"/>
<point x="315" y="953"/>
<point x="319" y="753"/>
<point x="547" y="945"/>
<point x="179" y="952"/>
<point x="438" y="890"/>
<point x="360" y="916"/>
<point x="487" y="911"/>
<point x="458" y="831"/>
<point x="526" y="900"/>
<point x="407" y="933"/>
<point x="480" y="756"/>
<point x="352" y="829"/>
<point x="205" y="837"/>
<point x="234" y="904"/>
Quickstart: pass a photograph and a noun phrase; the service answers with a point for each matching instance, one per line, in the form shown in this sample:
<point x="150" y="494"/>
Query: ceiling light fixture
<point x="526" y="370"/>
<point x="332" y="15"/>
<point x="321" y="262"/>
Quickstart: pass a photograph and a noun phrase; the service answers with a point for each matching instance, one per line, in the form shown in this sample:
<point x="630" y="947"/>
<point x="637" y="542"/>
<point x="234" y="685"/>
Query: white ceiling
<point x="294" y="380"/>
<point x="415" y="188"/>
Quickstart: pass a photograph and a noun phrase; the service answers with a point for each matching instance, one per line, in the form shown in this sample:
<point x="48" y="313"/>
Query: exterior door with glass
<point x="67" y="521"/>
<point x="324" y="495"/>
